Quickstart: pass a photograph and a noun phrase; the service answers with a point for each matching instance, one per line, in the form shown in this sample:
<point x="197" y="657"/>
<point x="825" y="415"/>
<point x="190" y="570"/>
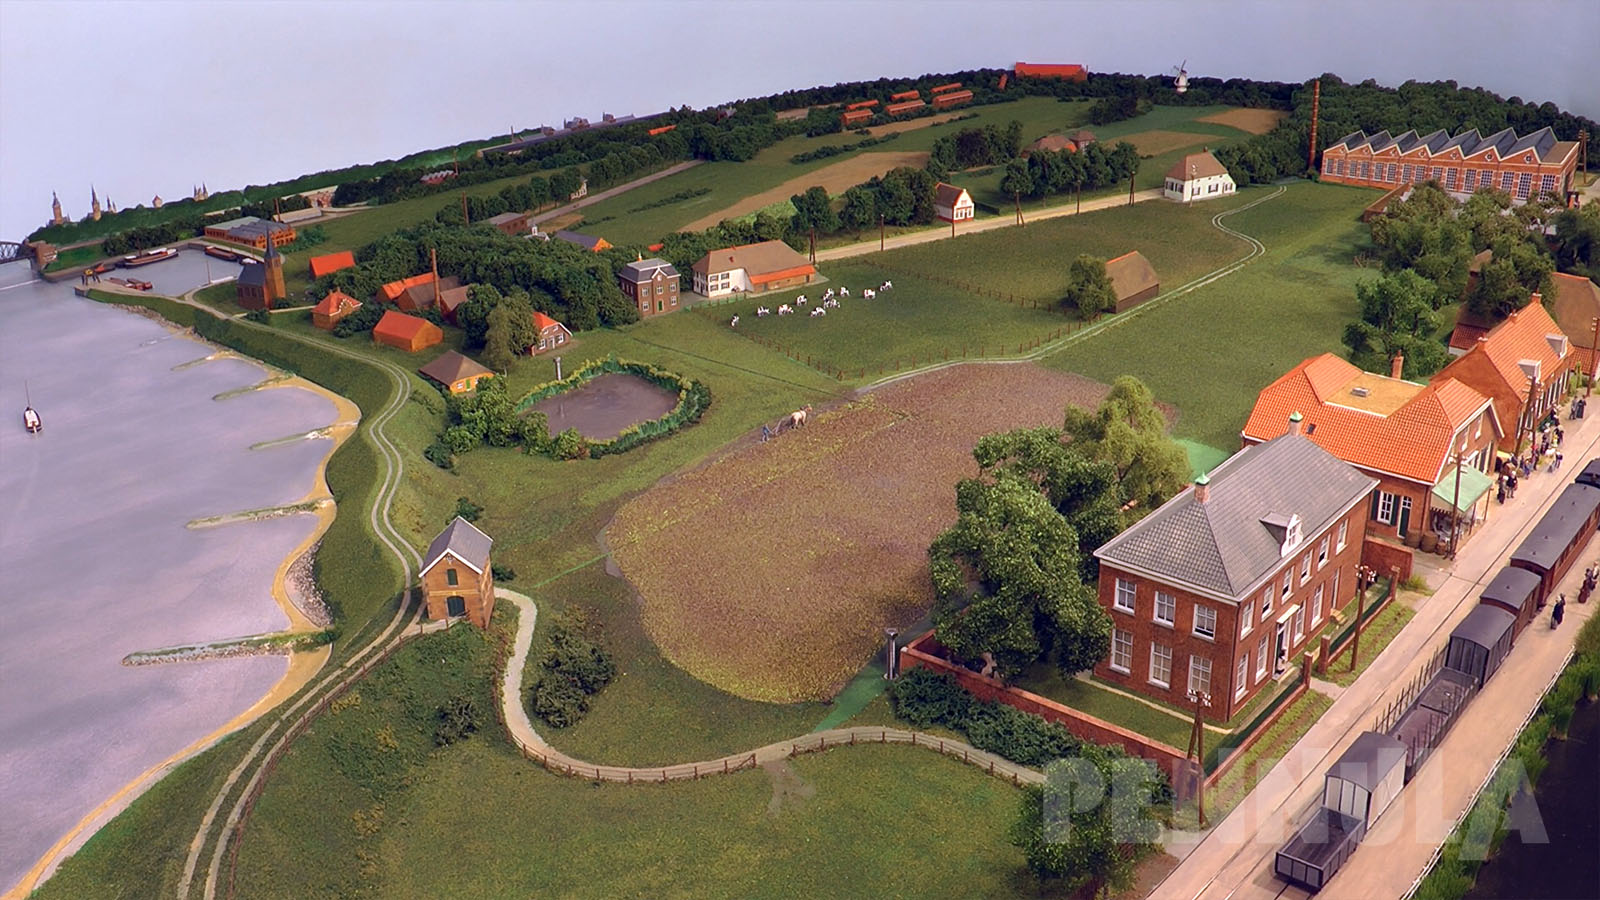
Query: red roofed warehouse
<point x="331" y="262"/>
<point x="407" y="333"/>
<point x="954" y="98"/>
<point x="552" y="334"/>
<point x="952" y="86"/>
<point x="855" y="117"/>
<point x="1067" y="72"/>
<point x="904" y="95"/>
<point x="767" y="266"/>
<point x="900" y="109"/>
<point x="862" y="104"/>
<point x="1522" y="167"/>
<point x="1523" y="365"/>
<point x="332" y="308"/>
<point x="1402" y="433"/>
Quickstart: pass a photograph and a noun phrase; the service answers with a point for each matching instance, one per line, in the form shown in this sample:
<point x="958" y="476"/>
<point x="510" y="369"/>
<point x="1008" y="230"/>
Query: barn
<point x="332" y="308"/>
<point x="408" y="333"/>
<point x="458" y="374"/>
<point x="767" y="266"/>
<point x="329" y="263"/>
<point x="1133" y="278"/>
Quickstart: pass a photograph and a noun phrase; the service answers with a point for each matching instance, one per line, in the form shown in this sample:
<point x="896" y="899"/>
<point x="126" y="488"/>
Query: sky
<point x="153" y="97"/>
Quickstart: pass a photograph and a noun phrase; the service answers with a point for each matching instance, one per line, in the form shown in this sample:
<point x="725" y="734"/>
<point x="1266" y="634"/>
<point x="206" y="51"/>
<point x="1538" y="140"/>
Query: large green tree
<point x="1089" y="289"/>
<point x="1578" y="240"/>
<point x="1129" y="432"/>
<point x="1089" y="824"/>
<point x="1398" y="315"/>
<point x="1007" y="580"/>
<point x="1425" y="234"/>
<point x="498" y="349"/>
<point x="814" y="209"/>
<point x="1505" y="284"/>
<point x="1084" y="491"/>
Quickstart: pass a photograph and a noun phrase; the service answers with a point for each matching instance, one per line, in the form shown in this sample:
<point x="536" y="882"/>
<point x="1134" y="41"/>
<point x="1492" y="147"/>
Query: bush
<point x="503" y="573"/>
<point x="468" y="510"/>
<point x="693" y="400"/>
<point x="925" y="698"/>
<point x="439" y="454"/>
<point x="458" y="718"/>
<point x="559" y="701"/>
<point x="575" y="668"/>
<point x="569" y="444"/>
<point x="259" y="316"/>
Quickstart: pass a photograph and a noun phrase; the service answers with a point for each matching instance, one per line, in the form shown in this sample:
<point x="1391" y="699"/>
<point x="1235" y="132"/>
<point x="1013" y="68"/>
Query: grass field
<point x="1254" y="764"/>
<point x="1210" y="352"/>
<point x="1380" y="631"/>
<point x="1046" y="680"/>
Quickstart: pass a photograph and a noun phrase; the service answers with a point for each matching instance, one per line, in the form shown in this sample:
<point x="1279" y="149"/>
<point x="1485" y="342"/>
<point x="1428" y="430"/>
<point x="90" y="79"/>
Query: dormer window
<point x="1558" y="344"/>
<point x="1285" y="530"/>
<point x="1530" y="368"/>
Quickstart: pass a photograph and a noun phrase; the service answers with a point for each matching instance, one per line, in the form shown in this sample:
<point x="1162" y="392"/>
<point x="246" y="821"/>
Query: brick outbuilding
<point x="457" y="577"/>
<point x="408" y="333"/>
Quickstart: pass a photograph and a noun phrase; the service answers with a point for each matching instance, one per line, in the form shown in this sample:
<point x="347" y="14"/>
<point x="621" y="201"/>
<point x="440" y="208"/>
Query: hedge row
<point x="1484" y="827"/>
<point x="828" y="150"/>
<point x="693" y="400"/>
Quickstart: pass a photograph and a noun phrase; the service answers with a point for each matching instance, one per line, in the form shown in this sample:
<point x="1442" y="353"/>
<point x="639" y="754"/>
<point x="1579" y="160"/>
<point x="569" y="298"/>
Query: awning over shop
<point x="1474" y="485"/>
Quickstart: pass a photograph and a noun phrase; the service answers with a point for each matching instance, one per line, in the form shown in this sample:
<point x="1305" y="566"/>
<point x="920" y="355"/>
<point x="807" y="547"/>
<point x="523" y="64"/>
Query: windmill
<point x="1180" y="82"/>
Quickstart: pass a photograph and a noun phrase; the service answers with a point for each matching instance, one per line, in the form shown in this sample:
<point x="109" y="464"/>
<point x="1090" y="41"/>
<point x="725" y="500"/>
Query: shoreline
<point x="302" y="667"/>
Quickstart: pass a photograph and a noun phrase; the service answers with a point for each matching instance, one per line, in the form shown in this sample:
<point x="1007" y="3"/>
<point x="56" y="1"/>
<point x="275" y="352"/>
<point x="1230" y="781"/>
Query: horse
<point x="734" y="323"/>
<point x="797" y="418"/>
<point x="762" y="311"/>
<point x="785" y="309"/>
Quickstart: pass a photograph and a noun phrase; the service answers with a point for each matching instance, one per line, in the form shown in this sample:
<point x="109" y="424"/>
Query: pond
<point x="606" y="405"/>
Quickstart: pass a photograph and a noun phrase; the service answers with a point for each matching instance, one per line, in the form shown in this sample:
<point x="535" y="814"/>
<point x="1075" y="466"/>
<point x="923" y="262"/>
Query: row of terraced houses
<point x="1523" y="167"/>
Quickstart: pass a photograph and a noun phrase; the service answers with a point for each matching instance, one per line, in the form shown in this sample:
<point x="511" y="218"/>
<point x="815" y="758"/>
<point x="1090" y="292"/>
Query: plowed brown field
<point x="771" y="571"/>
<point x="1155" y="143"/>
<point x="1255" y="121"/>
<point x="836" y="178"/>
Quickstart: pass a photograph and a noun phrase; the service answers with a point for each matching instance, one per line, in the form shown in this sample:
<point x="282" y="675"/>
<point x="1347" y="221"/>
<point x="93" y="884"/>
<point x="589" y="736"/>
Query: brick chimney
<point x="1202" y="489"/>
<point x="1397" y="365"/>
<point x="1294" y="422"/>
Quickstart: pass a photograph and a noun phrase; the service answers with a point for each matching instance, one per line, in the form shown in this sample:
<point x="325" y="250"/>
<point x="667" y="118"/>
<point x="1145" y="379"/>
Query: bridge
<point x="11" y="251"/>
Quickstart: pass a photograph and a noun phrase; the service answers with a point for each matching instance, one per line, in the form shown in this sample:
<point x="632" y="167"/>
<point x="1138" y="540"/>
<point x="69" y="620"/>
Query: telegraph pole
<point x="1455" y="510"/>
<point x="880" y="232"/>
<point x="1594" y="357"/>
<point x="1197" y="750"/>
<point x="465" y="216"/>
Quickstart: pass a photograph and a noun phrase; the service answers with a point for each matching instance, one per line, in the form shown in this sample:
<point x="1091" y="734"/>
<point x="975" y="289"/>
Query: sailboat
<point x="30" y="418"/>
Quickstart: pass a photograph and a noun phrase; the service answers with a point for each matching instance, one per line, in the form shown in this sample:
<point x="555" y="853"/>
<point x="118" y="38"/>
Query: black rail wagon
<point x="1517" y="592"/>
<point x="1355" y="792"/>
<point x="1590" y="474"/>
<point x="1480" y="643"/>
<point x="1555" y="543"/>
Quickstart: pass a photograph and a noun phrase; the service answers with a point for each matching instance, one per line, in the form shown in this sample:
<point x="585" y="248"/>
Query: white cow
<point x="762" y="311"/>
<point x="734" y="323"/>
<point x="800" y="300"/>
<point x="785" y="309"/>
<point x="830" y="304"/>
<point x="868" y="294"/>
<point x="827" y="296"/>
<point x="844" y="292"/>
<point x="886" y="286"/>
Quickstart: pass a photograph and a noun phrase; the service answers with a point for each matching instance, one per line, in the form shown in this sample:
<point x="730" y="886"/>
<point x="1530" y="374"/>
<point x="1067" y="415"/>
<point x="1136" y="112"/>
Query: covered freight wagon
<point x="1480" y="643"/>
<point x="1516" y="591"/>
<point x="1555" y="543"/>
<point x="1355" y="792"/>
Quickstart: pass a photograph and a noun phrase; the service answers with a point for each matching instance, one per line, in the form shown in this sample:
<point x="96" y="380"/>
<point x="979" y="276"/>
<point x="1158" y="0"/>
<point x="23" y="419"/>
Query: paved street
<point x="1235" y="858"/>
<point x="977" y="225"/>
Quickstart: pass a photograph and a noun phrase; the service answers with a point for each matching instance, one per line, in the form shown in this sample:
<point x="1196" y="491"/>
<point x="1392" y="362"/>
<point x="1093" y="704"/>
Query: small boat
<point x="100" y="268"/>
<point x="139" y="285"/>
<point x="30" y="418"/>
<point x="147" y="257"/>
<point x="223" y="253"/>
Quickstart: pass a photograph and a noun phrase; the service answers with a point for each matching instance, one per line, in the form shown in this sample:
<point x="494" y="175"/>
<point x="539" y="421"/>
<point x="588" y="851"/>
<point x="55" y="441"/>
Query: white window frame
<point x="1171" y="617"/>
<point x="1299" y="625"/>
<point x="1316" y="606"/>
<point x="1305" y="568"/>
<point x="1155" y="649"/>
<point x="1261" y="659"/>
<point x="1242" y="676"/>
<point x="1288" y="583"/>
<point x="1133" y="596"/>
<point x="1210" y="633"/>
<point x="1385" y="508"/>
<point x="1344" y="528"/>
<point x="1266" y="602"/>
<point x="1246" y="615"/>
<point x="1125" y="637"/>
<point x="1199" y="665"/>
<point x="1322" y="553"/>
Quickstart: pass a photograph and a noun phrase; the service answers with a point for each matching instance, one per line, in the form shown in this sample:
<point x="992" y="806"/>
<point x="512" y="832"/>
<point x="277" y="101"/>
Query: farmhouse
<point x="332" y="308"/>
<point x="261" y="284"/>
<point x="408" y="333"/>
<point x="1065" y="72"/>
<point x="394" y="290"/>
<point x="1404" y="434"/>
<point x="552" y="334"/>
<point x="952" y="204"/>
<point x="1220" y="588"/>
<point x="251" y="232"/>
<point x="457" y="373"/>
<point x="592" y="244"/>
<point x="1523" y="167"/>
<point x="1523" y="366"/>
<point x="1198" y="176"/>
<point x="1055" y="143"/>
<point x="1133" y="278"/>
<point x="329" y="263"/>
<point x="652" y="285"/>
<point x="458" y="578"/>
<point x="512" y="223"/>
<point x="1577" y="311"/>
<point x="767" y="266"/>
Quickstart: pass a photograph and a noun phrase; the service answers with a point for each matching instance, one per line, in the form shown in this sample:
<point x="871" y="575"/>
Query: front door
<point x="457" y="606"/>
<point x="1404" y="527"/>
<point x="1281" y="654"/>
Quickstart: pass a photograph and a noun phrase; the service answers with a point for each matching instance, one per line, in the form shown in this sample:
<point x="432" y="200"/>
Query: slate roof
<point x="585" y="241"/>
<point x="1412" y="441"/>
<point x="1504" y="143"/>
<point x="253" y="275"/>
<point x="1221" y="546"/>
<point x="646" y="269"/>
<point x="1131" y="273"/>
<point x="948" y="194"/>
<point x="1196" y="165"/>
<point x="252" y="227"/>
<point x="450" y="367"/>
<point x="462" y="540"/>
<point x="505" y="217"/>
<point x="1484" y="626"/>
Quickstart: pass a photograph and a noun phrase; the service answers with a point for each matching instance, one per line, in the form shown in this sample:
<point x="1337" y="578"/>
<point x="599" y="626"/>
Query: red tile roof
<point x="1070" y="71"/>
<point x="954" y="85"/>
<point x="905" y="95"/>
<point x="542" y="321"/>
<point x="334" y="302"/>
<point x="662" y="130"/>
<point x="951" y="99"/>
<point x="397" y="326"/>
<point x="1524" y="335"/>
<point x="862" y="104"/>
<point x="895" y="109"/>
<point x="391" y="292"/>
<point x="331" y="262"/>
<point x="1413" y="442"/>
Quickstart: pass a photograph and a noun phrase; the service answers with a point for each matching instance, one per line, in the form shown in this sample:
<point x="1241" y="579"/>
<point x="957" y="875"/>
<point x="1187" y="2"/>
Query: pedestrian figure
<point x="1500" y="495"/>
<point x="1554" y="466"/>
<point x="1511" y="482"/>
<point x="1557" y="614"/>
<point x="766" y="434"/>
<point x="1559" y="435"/>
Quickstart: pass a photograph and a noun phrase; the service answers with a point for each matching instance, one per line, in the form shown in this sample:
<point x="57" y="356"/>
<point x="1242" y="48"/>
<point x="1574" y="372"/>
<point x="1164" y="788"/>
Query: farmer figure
<point x="1500" y="495"/>
<point x="1559" y="612"/>
<point x="766" y="434"/>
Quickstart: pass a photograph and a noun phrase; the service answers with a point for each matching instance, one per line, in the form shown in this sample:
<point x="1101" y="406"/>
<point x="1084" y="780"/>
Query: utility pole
<point x="880" y="232"/>
<point x="1527" y="413"/>
<point x="1355" y="641"/>
<point x="1316" y="101"/>
<point x="1197" y="750"/>
<point x="1130" y="188"/>
<point x="813" y="245"/>
<point x="1080" y="197"/>
<point x="465" y="216"/>
<point x="1455" y="510"/>
<point x="1594" y="357"/>
<point x="1017" y="198"/>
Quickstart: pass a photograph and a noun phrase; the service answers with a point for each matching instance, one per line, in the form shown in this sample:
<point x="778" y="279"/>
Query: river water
<point x="96" y="560"/>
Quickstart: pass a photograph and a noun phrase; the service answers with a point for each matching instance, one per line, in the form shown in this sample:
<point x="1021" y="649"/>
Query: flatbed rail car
<point x="1555" y="543"/>
<point x="1478" y="646"/>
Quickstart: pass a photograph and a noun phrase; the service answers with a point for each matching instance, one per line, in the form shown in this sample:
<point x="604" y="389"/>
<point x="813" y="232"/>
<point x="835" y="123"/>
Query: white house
<point x="952" y="204"/>
<point x="1198" y="176"/>
<point x="756" y="268"/>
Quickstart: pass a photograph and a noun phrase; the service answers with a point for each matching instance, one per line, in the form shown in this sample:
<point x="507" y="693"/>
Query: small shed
<point x="1480" y="643"/>
<point x="458" y="374"/>
<point x="1355" y="792"/>
<point x="1516" y="591"/>
<point x="333" y="308"/>
<point x="329" y="263"/>
<point x="408" y="333"/>
<point x="1133" y="279"/>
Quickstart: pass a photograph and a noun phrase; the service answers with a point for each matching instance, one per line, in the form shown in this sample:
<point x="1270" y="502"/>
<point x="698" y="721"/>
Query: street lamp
<point x="1197" y="750"/>
<point x="891" y="661"/>
<point x="558" y="368"/>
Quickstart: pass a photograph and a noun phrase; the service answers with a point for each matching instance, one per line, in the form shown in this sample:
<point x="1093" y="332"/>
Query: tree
<point x="814" y="210"/>
<point x="860" y="209"/>
<point x="1006" y="578"/>
<point x="1017" y="181"/>
<point x="1089" y="824"/>
<point x="1089" y="289"/>
<point x="1578" y="240"/>
<point x="498" y="350"/>
<point x="1129" y="431"/>
<point x="1508" y="280"/>
<point x="564" y="184"/>
<point x="1084" y="491"/>
<point x="1397" y="316"/>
